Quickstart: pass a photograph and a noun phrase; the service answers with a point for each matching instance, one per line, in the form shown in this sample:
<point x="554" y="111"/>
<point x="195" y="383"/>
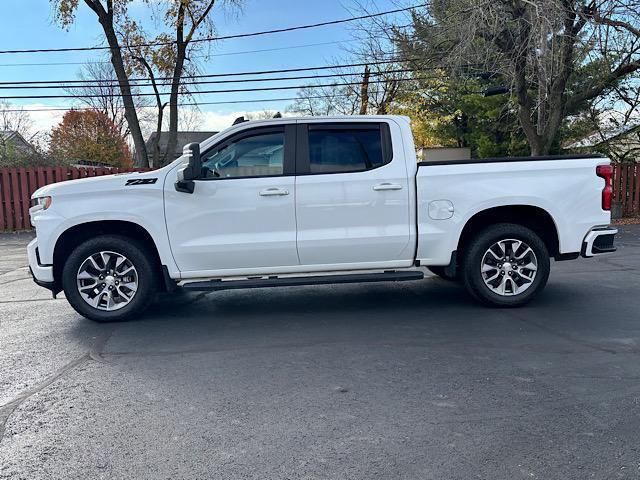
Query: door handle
<point x="387" y="186"/>
<point x="274" y="192"/>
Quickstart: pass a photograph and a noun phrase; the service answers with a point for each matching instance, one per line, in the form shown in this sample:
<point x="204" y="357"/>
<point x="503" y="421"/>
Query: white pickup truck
<point x="300" y="201"/>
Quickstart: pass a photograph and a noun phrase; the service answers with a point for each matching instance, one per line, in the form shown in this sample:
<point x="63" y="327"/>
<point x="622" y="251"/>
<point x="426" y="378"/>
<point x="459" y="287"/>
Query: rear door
<point x="352" y="195"/>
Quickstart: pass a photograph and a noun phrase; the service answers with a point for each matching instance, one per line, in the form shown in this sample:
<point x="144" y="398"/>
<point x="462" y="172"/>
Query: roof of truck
<point x="324" y="118"/>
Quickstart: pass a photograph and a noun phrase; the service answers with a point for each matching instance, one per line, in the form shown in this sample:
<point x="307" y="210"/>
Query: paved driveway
<point x="405" y="381"/>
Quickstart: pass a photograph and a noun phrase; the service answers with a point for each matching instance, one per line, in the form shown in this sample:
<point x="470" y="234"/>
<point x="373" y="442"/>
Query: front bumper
<point x="42" y="274"/>
<point x="599" y="241"/>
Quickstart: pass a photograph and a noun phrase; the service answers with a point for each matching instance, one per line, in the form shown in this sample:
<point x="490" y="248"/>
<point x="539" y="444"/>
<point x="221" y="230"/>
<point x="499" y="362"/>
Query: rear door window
<point x="343" y="149"/>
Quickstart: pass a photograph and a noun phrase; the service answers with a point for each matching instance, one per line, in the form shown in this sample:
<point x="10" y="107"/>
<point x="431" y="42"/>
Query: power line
<point x="239" y="90"/>
<point x="226" y="54"/>
<point x="132" y="81"/>
<point x="229" y="102"/>
<point x="226" y="37"/>
<point x="206" y="82"/>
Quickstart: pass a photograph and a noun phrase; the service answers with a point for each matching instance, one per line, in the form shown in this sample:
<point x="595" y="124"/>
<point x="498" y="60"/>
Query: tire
<point x="511" y="261"/>
<point x="131" y="290"/>
<point x="443" y="272"/>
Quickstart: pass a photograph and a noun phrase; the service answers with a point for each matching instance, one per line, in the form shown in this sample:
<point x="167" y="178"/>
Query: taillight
<point x="606" y="172"/>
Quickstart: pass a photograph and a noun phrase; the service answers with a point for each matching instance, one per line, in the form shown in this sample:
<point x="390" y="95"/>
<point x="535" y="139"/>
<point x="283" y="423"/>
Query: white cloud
<point x="215" y="121"/>
<point x="43" y="122"/>
<point x="219" y="121"/>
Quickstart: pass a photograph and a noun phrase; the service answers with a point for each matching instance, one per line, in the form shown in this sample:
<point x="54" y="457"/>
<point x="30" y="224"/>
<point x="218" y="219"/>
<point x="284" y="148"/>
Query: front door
<point x="241" y="215"/>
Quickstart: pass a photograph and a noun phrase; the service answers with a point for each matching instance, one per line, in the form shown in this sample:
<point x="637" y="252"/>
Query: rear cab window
<point x="343" y="147"/>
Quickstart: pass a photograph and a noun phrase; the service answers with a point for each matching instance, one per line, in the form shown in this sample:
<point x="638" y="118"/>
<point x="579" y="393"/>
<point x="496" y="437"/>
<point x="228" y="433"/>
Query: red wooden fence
<point x="626" y="187"/>
<point x="17" y="185"/>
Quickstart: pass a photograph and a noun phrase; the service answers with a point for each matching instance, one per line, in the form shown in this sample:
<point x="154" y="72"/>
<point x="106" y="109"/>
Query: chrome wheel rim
<point x="107" y="281"/>
<point x="509" y="267"/>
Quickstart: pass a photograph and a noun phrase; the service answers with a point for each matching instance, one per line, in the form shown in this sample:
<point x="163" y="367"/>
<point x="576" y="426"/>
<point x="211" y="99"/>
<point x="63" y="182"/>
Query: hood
<point x="102" y="183"/>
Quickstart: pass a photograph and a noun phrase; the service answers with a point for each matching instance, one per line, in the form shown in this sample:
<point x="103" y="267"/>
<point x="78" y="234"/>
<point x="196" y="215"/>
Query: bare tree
<point x="371" y="89"/>
<point x="316" y="99"/>
<point x="102" y="93"/>
<point x="385" y="78"/>
<point x="370" y="92"/>
<point x="15" y="119"/>
<point x="555" y="55"/>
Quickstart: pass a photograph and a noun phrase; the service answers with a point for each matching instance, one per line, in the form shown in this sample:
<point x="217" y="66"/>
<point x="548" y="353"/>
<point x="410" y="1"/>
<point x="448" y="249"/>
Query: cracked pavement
<point x="399" y="381"/>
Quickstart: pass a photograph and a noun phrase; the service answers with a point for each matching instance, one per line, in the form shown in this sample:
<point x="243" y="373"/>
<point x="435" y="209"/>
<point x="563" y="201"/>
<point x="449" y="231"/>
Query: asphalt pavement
<point x="397" y="381"/>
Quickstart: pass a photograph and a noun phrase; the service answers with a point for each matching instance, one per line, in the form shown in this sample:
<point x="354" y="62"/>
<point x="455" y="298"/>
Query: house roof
<point x="7" y="134"/>
<point x="184" y="138"/>
<point x="597" y="138"/>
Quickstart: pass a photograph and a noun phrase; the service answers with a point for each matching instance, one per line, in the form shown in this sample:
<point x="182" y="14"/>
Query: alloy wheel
<point x="509" y="267"/>
<point x="107" y="281"/>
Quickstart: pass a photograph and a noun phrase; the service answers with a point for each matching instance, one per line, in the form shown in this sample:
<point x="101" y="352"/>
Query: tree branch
<point x="196" y="24"/>
<point x="615" y="23"/>
<point x="608" y="81"/>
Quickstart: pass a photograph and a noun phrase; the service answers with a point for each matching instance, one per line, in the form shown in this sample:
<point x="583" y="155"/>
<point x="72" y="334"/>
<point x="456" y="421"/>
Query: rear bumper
<point x="599" y="241"/>
<point x="42" y="274"/>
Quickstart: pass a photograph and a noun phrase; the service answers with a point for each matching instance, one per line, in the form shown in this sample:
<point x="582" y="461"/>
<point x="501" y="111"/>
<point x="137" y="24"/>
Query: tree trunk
<point x="173" y="102"/>
<point x="156" y="146"/>
<point x="106" y="20"/>
<point x="182" y="42"/>
<point x="155" y="162"/>
<point x="181" y="53"/>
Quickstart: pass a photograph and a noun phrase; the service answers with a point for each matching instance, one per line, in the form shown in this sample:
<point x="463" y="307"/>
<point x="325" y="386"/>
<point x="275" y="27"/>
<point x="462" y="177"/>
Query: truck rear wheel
<point x="109" y="278"/>
<point x="505" y="265"/>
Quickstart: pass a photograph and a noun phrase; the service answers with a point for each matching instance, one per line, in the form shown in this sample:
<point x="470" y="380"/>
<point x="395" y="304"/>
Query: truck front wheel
<point x="505" y="265"/>
<point x="109" y="278"/>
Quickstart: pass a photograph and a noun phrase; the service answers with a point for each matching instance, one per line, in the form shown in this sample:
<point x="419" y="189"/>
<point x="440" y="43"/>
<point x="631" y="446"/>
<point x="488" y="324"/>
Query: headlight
<point x="42" y="202"/>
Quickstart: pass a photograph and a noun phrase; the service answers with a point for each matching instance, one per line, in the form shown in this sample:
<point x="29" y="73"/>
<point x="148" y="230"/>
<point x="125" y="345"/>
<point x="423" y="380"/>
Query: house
<point x="12" y="140"/>
<point x="184" y="138"/>
<point x="621" y="144"/>
<point x="15" y="151"/>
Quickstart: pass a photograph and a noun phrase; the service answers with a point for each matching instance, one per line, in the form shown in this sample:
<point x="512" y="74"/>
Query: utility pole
<point x="364" y="91"/>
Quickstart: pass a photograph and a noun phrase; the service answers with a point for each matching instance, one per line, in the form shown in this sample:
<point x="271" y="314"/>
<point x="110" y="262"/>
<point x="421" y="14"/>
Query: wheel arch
<point x="535" y="218"/>
<point x="79" y="233"/>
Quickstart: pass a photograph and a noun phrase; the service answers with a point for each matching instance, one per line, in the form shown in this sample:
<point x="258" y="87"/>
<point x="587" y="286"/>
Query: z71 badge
<point x="141" y="181"/>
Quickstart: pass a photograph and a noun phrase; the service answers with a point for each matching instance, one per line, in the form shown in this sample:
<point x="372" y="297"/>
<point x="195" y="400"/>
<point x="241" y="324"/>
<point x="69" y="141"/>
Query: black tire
<point x="133" y="251"/>
<point x="472" y="262"/>
<point x="444" y="273"/>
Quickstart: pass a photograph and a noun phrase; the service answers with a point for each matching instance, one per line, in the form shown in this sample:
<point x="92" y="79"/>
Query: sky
<point x="30" y="24"/>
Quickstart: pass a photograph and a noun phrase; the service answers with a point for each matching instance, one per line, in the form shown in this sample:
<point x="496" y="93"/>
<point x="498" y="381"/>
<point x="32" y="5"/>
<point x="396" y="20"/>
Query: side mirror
<point x="190" y="172"/>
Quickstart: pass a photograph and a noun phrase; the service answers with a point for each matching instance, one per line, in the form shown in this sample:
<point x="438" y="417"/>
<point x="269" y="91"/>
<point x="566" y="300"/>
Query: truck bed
<point x="449" y="193"/>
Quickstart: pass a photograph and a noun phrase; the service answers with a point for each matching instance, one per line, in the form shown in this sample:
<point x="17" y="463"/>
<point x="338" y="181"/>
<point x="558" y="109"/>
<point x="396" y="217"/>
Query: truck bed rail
<point x="508" y="159"/>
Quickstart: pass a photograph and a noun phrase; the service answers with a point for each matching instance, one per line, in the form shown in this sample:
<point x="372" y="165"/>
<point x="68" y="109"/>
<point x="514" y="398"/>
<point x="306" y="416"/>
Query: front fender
<point x="144" y="208"/>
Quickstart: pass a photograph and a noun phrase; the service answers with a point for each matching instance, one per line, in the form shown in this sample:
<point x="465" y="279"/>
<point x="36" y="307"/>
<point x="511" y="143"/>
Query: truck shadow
<point x="374" y="314"/>
<point x="332" y="299"/>
<point x="431" y="292"/>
